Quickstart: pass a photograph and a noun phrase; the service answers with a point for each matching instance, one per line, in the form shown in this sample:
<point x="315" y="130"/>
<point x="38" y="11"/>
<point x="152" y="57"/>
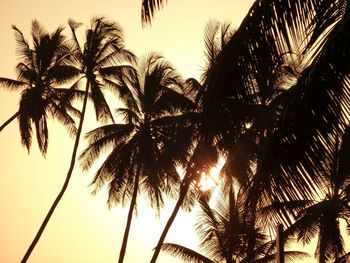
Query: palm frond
<point x="102" y="138"/>
<point x="185" y="254"/>
<point x="38" y="32"/>
<point x="73" y="26"/>
<point x="283" y="212"/>
<point x="42" y="135"/>
<point x="25" y="73"/>
<point x="25" y="129"/>
<point x="103" y="112"/>
<point x="12" y="84"/>
<point x="61" y="113"/>
<point x="64" y="74"/>
<point x="128" y="115"/>
<point x="22" y="49"/>
<point x="211" y="42"/>
<point x="149" y="7"/>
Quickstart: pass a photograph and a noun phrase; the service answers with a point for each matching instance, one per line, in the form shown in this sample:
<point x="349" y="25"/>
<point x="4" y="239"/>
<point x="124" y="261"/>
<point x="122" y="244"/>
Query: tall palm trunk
<point x="9" y="120"/>
<point x="183" y="193"/>
<point x="128" y="223"/>
<point x="65" y="185"/>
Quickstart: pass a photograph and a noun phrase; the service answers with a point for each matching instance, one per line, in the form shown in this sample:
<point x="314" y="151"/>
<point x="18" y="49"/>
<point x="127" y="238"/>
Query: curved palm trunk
<point x="14" y="116"/>
<point x="183" y="193"/>
<point x="128" y="223"/>
<point x="65" y="185"/>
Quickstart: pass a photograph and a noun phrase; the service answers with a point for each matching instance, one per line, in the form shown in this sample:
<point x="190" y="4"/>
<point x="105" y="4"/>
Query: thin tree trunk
<point x="183" y="193"/>
<point x="9" y="121"/>
<point x="128" y="223"/>
<point x="280" y="244"/>
<point x="65" y="185"/>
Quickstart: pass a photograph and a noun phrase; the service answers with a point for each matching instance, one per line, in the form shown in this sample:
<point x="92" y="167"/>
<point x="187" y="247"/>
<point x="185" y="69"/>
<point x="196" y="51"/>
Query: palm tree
<point x="40" y="71"/>
<point x="204" y="154"/>
<point x="224" y="235"/>
<point x="96" y="61"/>
<point x="250" y="74"/>
<point x="300" y="32"/>
<point x="143" y="154"/>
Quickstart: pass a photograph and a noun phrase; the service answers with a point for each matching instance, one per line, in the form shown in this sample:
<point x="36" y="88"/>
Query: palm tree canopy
<point x="102" y="57"/>
<point x="40" y="70"/>
<point x="147" y="136"/>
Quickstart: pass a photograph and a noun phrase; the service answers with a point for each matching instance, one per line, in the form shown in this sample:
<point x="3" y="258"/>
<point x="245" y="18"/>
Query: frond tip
<point x="149" y="7"/>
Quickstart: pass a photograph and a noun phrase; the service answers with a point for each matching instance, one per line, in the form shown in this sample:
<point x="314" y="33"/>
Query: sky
<point x="83" y="229"/>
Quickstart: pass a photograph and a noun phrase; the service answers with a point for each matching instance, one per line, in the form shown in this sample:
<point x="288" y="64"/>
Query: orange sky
<point x="82" y="228"/>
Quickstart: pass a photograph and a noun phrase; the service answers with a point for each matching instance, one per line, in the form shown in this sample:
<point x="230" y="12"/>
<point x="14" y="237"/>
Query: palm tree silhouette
<point x="203" y="153"/>
<point x="142" y="155"/>
<point x="96" y="61"/>
<point x="250" y="74"/>
<point x="40" y="71"/>
<point x="224" y="235"/>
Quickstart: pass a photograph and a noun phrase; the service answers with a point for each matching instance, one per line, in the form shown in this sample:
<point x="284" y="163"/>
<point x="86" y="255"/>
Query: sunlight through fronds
<point x="211" y="179"/>
<point x="207" y="180"/>
<point x="180" y="171"/>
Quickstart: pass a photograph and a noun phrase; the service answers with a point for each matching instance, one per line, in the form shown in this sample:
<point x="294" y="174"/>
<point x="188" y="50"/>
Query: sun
<point x="210" y="180"/>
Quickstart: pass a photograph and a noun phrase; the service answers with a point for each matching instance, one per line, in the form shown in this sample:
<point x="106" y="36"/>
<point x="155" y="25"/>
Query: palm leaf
<point x="102" y="109"/>
<point x="103" y="138"/>
<point x="185" y="254"/>
<point x="22" y="48"/>
<point x="12" y="84"/>
<point x="149" y="8"/>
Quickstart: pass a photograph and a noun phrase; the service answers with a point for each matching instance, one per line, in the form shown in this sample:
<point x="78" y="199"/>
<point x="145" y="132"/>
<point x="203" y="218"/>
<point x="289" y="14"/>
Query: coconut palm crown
<point x="40" y="72"/>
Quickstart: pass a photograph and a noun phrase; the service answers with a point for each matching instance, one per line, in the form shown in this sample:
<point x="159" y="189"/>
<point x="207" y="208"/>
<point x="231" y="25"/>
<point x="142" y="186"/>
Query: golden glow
<point x="82" y="229"/>
<point x="180" y="171"/>
<point x="209" y="181"/>
<point x="206" y="181"/>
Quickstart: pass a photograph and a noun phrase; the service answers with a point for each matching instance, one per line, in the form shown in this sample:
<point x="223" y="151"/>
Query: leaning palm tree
<point x="224" y="235"/>
<point x="143" y="154"/>
<point x="40" y="71"/>
<point x="204" y="153"/>
<point x="96" y="61"/>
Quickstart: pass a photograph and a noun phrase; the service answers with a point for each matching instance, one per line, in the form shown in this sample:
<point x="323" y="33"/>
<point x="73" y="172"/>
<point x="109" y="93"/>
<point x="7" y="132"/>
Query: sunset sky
<point x="83" y="229"/>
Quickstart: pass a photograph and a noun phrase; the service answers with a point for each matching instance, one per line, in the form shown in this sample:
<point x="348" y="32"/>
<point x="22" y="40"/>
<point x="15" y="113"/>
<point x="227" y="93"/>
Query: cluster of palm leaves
<point x="273" y="99"/>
